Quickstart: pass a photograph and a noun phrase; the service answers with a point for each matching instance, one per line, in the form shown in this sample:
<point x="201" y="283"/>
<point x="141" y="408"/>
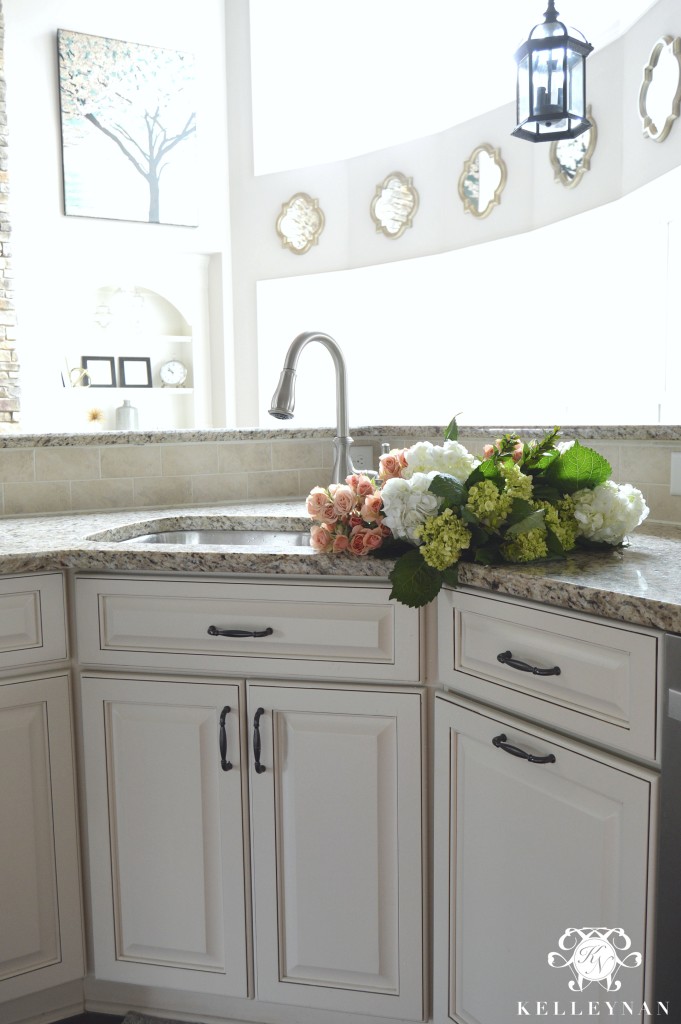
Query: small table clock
<point x="173" y="374"/>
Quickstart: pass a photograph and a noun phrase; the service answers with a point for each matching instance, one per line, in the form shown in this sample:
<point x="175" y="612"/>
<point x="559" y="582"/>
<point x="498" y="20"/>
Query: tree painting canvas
<point x="128" y="117"/>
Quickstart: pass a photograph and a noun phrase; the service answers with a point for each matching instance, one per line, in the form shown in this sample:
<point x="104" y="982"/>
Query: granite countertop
<point x="639" y="584"/>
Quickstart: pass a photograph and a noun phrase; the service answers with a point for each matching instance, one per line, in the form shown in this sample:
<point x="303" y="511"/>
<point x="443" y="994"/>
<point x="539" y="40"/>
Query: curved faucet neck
<point x="291" y="362"/>
<point x="342" y="467"/>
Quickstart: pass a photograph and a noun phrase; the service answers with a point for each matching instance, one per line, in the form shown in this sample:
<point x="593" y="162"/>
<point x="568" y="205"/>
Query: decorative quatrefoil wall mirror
<point x="571" y="158"/>
<point x="300" y="223"/>
<point x="482" y="181"/>
<point x="394" y="205"/>
<point x="660" y="95"/>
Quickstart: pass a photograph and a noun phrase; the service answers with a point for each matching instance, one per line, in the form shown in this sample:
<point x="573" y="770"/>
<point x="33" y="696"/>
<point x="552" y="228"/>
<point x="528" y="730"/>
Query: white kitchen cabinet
<point x="41" y="939"/>
<point x="335" y="830"/>
<point x="337" y="848"/>
<point x="524" y="851"/>
<point x="165" y="833"/>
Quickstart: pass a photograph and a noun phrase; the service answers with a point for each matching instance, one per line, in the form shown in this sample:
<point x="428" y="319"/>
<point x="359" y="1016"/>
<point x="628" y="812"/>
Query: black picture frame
<point x="133" y="375"/>
<point x="101" y="370"/>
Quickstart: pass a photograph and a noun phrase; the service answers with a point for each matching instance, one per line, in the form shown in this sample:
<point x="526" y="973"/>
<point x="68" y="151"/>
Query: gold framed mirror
<point x="659" y="98"/>
<point x="482" y="181"/>
<point x="300" y="223"/>
<point x="394" y="205"/>
<point x="571" y="158"/>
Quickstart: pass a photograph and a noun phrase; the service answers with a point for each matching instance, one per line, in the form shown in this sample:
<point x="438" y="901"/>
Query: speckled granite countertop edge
<point x="636" y="432"/>
<point x="639" y="585"/>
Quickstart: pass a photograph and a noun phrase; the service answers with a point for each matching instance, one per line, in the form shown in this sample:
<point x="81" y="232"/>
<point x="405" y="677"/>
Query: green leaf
<point x="520" y="509"/>
<point x="534" y="521"/>
<point x="539" y="454"/>
<point x="414" y="582"/>
<point x="543" y="492"/>
<point x="392" y="548"/>
<point x="449" y="488"/>
<point x="468" y="516"/>
<point x="452" y="430"/>
<point x="553" y="545"/>
<point x="487" y="470"/>
<point x="576" y="468"/>
<point x="487" y="556"/>
<point x="450" y="576"/>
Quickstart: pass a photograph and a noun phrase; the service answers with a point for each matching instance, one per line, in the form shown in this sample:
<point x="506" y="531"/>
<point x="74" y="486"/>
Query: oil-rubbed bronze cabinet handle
<point x="260" y="768"/>
<point x="507" y="659"/>
<point x="500" y="741"/>
<point x="224" y="763"/>
<point x="214" y="631"/>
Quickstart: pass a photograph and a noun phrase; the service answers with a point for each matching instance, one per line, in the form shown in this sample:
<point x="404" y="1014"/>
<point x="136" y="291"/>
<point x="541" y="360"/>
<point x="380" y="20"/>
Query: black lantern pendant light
<point x="551" y="94"/>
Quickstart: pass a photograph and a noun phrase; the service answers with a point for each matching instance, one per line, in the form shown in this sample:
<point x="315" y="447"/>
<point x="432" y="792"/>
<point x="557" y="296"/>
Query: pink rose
<point x="343" y="500"/>
<point x="372" y="507"/>
<point x="357" y="541"/>
<point x="328" y="514"/>
<point x="340" y="543"/>
<point x="391" y="464"/>
<point x="316" y="501"/>
<point x="365" y="486"/>
<point x="372" y="539"/>
<point x="488" y="451"/>
<point x="321" y="539"/>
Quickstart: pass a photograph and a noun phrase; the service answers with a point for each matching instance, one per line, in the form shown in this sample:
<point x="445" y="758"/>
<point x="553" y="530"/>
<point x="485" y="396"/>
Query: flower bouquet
<point x="435" y="506"/>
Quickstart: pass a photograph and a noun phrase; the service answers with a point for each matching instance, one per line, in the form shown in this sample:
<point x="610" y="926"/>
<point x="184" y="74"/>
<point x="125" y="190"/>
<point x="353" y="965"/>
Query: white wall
<point x="58" y="259"/>
<point x="623" y="161"/>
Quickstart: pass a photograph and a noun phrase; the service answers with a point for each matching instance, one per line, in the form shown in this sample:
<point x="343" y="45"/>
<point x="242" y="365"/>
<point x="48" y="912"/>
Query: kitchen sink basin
<point x="277" y="539"/>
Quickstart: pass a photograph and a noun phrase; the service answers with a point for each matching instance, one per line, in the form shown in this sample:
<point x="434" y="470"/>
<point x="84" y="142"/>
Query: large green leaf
<point x="414" y="582"/>
<point x="576" y="468"/>
<point x="449" y="488"/>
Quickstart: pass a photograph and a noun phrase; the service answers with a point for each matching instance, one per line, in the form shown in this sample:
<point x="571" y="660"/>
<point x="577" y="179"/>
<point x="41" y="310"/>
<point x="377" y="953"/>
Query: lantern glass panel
<point x="523" y="89"/>
<point x="576" y="84"/>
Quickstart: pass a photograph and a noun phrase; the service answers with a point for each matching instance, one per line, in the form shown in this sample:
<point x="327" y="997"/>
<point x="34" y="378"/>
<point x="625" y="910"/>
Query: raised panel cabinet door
<point x="41" y="939"/>
<point x="337" y="847"/>
<point x="525" y="851"/>
<point x="165" y="833"/>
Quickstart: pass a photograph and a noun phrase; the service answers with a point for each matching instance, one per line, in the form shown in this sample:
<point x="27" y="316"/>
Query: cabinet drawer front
<point x="592" y="679"/>
<point x="298" y="628"/>
<point x="32" y="624"/>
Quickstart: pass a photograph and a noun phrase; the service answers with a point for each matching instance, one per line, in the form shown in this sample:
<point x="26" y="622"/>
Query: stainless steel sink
<point x="229" y="538"/>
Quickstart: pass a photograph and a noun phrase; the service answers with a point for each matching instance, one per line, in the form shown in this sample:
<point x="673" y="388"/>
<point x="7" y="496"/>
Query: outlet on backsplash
<point x="362" y="456"/>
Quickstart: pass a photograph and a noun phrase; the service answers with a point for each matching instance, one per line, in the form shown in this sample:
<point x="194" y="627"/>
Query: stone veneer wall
<point x="9" y="366"/>
<point x="90" y="473"/>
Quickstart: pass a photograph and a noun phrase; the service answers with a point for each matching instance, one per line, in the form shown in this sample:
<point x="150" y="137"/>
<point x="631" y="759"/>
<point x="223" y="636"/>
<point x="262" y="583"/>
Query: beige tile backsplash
<point x="157" y="474"/>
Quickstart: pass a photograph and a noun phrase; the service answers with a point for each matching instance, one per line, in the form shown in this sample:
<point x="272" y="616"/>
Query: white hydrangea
<point x="407" y="504"/>
<point x="450" y="457"/>
<point x="609" y="512"/>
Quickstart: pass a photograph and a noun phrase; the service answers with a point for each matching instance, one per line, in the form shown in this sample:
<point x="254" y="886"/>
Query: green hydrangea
<point x="488" y="504"/>
<point x="525" y="547"/>
<point x="443" y="538"/>
<point x="516" y="483"/>
<point x="560" y="519"/>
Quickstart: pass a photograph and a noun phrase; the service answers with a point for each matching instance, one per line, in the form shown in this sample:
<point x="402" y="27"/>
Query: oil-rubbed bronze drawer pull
<point x="500" y="741"/>
<point x="507" y="659"/>
<point x="214" y="631"/>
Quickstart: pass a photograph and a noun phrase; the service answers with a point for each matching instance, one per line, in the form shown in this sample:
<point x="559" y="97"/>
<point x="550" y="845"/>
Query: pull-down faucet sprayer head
<point x="284" y="398"/>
